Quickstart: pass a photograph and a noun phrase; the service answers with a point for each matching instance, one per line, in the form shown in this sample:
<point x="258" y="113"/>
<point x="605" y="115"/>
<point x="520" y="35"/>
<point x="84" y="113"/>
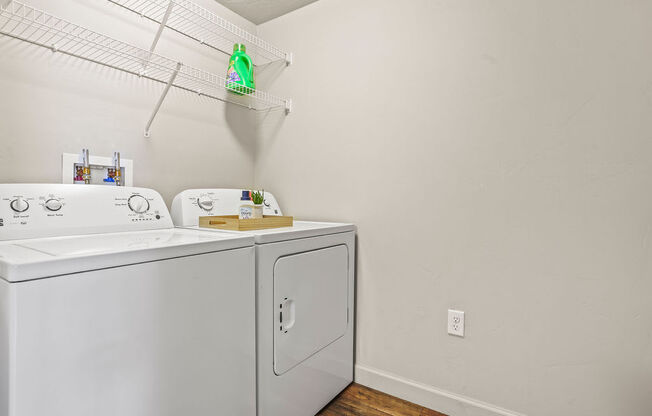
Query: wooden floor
<point x="358" y="400"/>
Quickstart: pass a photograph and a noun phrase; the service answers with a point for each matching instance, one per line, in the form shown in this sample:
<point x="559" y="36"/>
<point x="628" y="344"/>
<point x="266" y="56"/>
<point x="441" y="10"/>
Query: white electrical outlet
<point x="456" y="323"/>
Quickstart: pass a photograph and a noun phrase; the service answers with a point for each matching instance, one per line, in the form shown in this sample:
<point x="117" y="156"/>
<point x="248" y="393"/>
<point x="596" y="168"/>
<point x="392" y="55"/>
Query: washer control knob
<point x="138" y="204"/>
<point x="19" y="204"/>
<point x="53" y="204"/>
<point x="205" y="203"/>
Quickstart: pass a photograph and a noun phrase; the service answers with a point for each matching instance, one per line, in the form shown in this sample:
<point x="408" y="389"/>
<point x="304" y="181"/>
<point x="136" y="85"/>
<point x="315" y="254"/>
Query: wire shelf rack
<point x="37" y="27"/>
<point x="204" y="26"/>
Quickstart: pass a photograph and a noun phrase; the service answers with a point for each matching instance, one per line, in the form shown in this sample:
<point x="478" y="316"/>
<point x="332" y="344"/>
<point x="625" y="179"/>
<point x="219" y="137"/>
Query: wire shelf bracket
<point x="195" y="22"/>
<point x="25" y="23"/>
<point x="161" y="99"/>
<point x="161" y="26"/>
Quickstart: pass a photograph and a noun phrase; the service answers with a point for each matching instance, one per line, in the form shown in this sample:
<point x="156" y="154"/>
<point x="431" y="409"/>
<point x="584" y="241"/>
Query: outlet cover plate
<point x="456" y="322"/>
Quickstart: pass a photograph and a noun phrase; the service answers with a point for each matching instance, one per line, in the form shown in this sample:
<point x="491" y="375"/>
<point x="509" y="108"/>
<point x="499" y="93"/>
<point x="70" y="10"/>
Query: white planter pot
<point x="257" y="211"/>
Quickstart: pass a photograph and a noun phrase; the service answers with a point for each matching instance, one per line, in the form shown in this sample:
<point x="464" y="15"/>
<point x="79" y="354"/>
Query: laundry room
<point x="325" y="207"/>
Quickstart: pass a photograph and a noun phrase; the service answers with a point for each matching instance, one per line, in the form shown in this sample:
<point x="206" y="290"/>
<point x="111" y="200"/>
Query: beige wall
<point x="52" y="103"/>
<point x="524" y="130"/>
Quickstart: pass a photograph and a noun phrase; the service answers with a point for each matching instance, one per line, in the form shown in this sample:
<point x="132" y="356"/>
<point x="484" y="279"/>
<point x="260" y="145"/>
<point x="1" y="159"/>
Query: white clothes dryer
<point x="305" y="303"/>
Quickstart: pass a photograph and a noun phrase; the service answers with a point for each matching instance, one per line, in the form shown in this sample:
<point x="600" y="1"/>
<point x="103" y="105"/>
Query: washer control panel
<point x="35" y="210"/>
<point x="189" y="205"/>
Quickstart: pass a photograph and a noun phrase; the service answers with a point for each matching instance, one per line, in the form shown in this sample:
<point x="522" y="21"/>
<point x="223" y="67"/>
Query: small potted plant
<point x="258" y="198"/>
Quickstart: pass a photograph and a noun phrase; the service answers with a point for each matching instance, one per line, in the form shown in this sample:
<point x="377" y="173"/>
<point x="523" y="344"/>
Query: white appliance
<point x="305" y="303"/>
<point x="106" y="309"/>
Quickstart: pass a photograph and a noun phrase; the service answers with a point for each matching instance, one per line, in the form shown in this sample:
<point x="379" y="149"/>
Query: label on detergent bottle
<point x="246" y="212"/>
<point x="232" y="75"/>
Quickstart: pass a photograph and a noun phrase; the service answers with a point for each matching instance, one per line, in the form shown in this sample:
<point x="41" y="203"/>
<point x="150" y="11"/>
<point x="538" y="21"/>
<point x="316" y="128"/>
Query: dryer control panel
<point x="189" y="205"/>
<point x="42" y="210"/>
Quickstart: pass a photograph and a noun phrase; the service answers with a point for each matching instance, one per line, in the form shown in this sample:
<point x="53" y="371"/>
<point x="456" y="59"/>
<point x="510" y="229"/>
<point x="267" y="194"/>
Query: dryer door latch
<point x="287" y="315"/>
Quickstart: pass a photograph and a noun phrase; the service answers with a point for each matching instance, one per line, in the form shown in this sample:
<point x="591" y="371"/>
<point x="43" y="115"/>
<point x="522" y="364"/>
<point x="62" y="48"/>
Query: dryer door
<point x="310" y="304"/>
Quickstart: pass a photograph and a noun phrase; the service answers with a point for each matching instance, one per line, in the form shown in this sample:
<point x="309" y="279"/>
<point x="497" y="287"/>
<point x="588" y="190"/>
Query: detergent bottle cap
<point x="245" y="196"/>
<point x="239" y="47"/>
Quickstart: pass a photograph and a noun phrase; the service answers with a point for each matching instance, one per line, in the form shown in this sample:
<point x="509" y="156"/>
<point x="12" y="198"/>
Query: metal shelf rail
<point x="37" y="27"/>
<point x="204" y="26"/>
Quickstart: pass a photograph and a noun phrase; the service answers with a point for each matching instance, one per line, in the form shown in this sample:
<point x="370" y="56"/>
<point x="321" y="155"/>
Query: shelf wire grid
<point x="37" y="27"/>
<point x="204" y="26"/>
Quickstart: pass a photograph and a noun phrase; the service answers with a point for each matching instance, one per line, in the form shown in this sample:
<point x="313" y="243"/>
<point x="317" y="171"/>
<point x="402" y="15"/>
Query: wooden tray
<point x="233" y="223"/>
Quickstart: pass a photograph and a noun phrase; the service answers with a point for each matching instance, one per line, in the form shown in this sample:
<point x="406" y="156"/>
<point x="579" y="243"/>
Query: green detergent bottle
<point x="240" y="76"/>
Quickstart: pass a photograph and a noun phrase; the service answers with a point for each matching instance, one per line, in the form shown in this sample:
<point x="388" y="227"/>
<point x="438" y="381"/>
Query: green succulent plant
<point x="258" y="197"/>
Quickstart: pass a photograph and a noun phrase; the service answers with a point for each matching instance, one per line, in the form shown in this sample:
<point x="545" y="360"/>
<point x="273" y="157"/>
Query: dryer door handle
<point x="287" y="314"/>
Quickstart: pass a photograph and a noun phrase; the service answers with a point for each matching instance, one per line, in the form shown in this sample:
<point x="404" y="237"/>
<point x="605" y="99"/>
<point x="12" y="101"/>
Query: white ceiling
<point x="260" y="11"/>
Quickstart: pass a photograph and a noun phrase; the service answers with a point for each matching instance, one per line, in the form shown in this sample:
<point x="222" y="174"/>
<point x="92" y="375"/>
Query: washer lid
<point x="33" y="259"/>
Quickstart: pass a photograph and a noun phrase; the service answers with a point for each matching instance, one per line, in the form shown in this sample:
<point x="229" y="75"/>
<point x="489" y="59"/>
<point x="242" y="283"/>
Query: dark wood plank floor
<point x="359" y="400"/>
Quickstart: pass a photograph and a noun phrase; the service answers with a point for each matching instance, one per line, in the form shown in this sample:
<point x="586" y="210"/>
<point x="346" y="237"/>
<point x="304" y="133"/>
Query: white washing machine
<point x="106" y="309"/>
<point x="305" y="303"/>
